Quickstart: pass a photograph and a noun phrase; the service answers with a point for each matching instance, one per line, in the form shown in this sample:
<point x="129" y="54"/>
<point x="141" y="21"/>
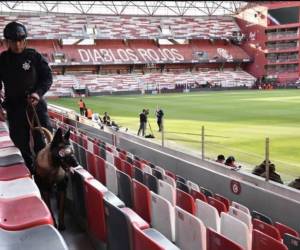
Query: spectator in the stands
<point x="272" y="174"/>
<point x="106" y="119"/>
<point x="260" y="169"/>
<point x="220" y="159"/>
<point x="96" y="118"/>
<point x="295" y="183"/>
<point x="230" y="162"/>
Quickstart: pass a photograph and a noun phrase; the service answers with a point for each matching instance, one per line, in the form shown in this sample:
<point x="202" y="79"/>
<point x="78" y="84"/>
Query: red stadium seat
<point x="91" y="163"/>
<point x="141" y="200"/>
<point x="14" y="172"/>
<point x="220" y="206"/>
<point x="225" y="201"/>
<point x="283" y="229"/>
<point x="261" y="241"/>
<point x="185" y="201"/>
<point x="127" y="168"/>
<point x="198" y="195"/>
<point x="94" y="193"/>
<point x="118" y="163"/>
<point x="171" y="174"/>
<point x="22" y="213"/>
<point x="217" y="241"/>
<point x="100" y="170"/>
<point x="266" y="229"/>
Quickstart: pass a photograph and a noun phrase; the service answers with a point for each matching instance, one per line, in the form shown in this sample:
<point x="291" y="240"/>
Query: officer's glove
<point x="33" y="99"/>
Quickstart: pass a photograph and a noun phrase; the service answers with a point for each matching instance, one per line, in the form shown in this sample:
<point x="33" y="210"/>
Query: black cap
<point x="15" y="31"/>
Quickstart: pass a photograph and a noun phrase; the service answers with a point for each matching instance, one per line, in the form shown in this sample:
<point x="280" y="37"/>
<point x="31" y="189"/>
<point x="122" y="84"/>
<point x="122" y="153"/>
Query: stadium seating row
<point x="169" y="207"/>
<point x="62" y="84"/>
<point x="56" y="26"/>
<point x="25" y="221"/>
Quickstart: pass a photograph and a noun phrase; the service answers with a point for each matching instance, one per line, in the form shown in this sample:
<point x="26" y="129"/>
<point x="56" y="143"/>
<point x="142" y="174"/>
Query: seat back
<point x="261" y="217"/>
<point x="100" y="170"/>
<point x="180" y="178"/>
<point x="266" y="229"/>
<point x="124" y="188"/>
<point x="240" y="207"/>
<point x="78" y="194"/>
<point x="207" y="192"/>
<point x="147" y="169"/>
<point x="223" y="199"/>
<point x="119" y="234"/>
<point x="182" y="187"/>
<point x="110" y="158"/>
<point x="208" y="215"/>
<point x="118" y="163"/>
<point x="242" y="216"/>
<point x="33" y="238"/>
<point x="284" y="229"/>
<point x="137" y="174"/>
<point x="185" y="201"/>
<point x="190" y="231"/>
<point x="127" y="168"/>
<point x="157" y="174"/>
<point x="170" y="180"/>
<point x="141" y="200"/>
<point x="91" y="163"/>
<point x="292" y="242"/>
<point x="217" y="241"/>
<point x="162" y="216"/>
<point x="235" y="230"/>
<point x="220" y="206"/>
<point x="111" y="177"/>
<point x="94" y="192"/>
<point x="167" y="191"/>
<point x="193" y="185"/>
<point x="262" y="241"/>
<point x="151" y="182"/>
<point x="198" y="195"/>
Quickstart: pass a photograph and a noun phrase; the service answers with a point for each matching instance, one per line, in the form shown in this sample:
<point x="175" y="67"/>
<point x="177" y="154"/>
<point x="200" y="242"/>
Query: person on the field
<point x="106" y="119"/>
<point x="81" y="106"/>
<point x="272" y="174"/>
<point x="159" y="115"/>
<point x="230" y="162"/>
<point x="143" y="122"/>
<point x="295" y="183"/>
<point x="220" y="159"/>
<point x="26" y="77"/>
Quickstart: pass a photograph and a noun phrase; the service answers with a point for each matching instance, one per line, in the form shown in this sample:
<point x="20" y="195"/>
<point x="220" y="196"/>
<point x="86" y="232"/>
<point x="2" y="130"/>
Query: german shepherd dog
<point x="51" y="166"/>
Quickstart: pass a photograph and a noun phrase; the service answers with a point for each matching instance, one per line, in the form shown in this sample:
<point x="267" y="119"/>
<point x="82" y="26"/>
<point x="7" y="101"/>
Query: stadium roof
<point x="145" y="8"/>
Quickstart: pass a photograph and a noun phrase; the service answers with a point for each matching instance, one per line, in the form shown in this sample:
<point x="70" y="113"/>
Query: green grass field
<point x="236" y="122"/>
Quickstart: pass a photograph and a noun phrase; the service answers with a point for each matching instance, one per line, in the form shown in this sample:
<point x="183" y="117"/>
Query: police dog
<point x="51" y="166"/>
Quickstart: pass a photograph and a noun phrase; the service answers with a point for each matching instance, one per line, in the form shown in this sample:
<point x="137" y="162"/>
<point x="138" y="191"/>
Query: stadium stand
<point x="56" y="26"/>
<point x="90" y="198"/>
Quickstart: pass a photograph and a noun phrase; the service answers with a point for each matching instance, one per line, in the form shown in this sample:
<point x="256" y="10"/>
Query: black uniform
<point x="23" y="74"/>
<point x="159" y="116"/>
<point x="143" y="123"/>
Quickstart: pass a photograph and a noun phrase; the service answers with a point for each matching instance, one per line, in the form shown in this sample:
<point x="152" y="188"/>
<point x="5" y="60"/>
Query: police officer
<point x="26" y="77"/>
<point x="143" y="122"/>
<point x="159" y="115"/>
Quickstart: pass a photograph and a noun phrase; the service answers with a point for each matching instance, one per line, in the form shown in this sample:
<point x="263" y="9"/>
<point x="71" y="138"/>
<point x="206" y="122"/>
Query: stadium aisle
<point x="75" y="237"/>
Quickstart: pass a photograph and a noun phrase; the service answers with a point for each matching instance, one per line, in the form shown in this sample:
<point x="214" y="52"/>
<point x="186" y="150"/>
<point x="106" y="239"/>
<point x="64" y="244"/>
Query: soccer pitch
<point x="236" y="122"/>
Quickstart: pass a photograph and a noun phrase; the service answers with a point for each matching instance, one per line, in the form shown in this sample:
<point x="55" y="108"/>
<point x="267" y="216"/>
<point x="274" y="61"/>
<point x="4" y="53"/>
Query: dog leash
<point x="46" y="134"/>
